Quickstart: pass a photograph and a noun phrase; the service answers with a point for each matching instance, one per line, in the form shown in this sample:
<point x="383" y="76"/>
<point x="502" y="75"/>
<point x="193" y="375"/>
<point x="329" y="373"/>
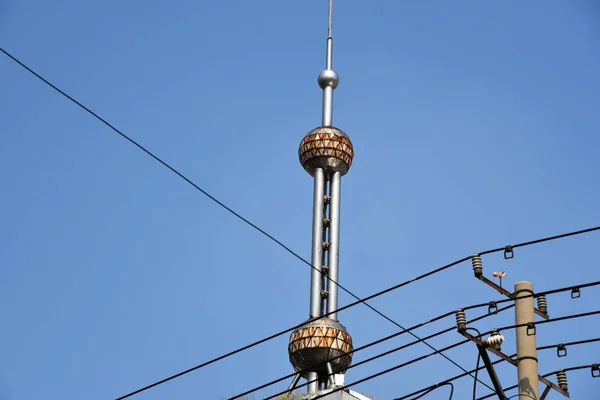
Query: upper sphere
<point x="328" y="77"/>
<point x="328" y="148"/>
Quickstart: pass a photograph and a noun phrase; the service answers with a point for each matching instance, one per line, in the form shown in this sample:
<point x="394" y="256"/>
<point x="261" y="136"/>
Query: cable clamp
<point x="508" y="252"/>
<point x="530" y="329"/>
<point x="528" y="358"/>
<point x="561" y="350"/>
<point x="575" y="293"/>
<point x="492" y="307"/>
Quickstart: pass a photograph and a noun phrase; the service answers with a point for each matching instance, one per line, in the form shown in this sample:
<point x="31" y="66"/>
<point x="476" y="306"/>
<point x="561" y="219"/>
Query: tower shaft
<point x="322" y="348"/>
<point x="318" y="238"/>
<point x="325" y="245"/>
<point x="334" y="246"/>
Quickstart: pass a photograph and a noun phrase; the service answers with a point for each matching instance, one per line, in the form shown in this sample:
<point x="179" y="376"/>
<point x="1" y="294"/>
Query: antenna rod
<point x="328" y="79"/>
<point x="330" y="9"/>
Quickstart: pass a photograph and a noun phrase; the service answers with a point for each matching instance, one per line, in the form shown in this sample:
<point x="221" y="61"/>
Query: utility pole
<point x="527" y="363"/>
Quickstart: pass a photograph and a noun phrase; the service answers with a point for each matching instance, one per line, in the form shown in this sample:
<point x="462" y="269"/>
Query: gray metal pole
<point x="334" y="247"/>
<point x="527" y="366"/>
<point x="328" y="89"/>
<point x="331" y="380"/>
<point x="313" y="386"/>
<point x="294" y="382"/>
<point x="317" y="244"/>
<point x="327" y="106"/>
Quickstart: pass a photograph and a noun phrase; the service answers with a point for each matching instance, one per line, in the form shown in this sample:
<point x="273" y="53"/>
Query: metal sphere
<point x="328" y="77"/>
<point x="317" y="342"/>
<point x="328" y="148"/>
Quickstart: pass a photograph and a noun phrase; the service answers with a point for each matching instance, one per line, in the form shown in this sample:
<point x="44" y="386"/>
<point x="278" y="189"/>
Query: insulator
<point x="561" y="376"/>
<point x="461" y="320"/>
<point x="495" y="340"/>
<point x="477" y="265"/>
<point x="542" y="304"/>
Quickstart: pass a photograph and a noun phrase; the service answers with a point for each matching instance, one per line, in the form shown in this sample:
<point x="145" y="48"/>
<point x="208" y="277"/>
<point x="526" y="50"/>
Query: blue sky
<point x="474" y="126"/>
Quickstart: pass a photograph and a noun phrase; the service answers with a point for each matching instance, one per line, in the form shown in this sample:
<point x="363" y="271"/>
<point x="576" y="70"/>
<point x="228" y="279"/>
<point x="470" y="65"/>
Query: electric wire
<point x="289" y="250"/>
<point x="544" y="293"/>
<point x="476" y="371"/>
<point x="354" y="351"/>
<point x="579" y="367"/>
<point x="188" y="180"/>
<point x="230" y="210"/>
<point x="569" y="344"/>
<point x="548" y="292"/>
<point x="387" y="371"/>
<point x="476" y="364"/>
<point x="388" y="352"/>
<point x="437" y="387"/>
<point x="575" y="343"/>
<point x="558" y="319"/>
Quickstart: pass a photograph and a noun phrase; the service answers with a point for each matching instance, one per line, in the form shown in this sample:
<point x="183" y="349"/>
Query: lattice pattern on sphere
<point x="318" y="342"/>
<point x="320" y="336"/>
<point x="328" y="148"/>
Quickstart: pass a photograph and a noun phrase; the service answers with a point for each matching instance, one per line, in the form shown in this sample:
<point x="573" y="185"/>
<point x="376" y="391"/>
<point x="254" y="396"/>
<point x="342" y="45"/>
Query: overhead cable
<point x="388" y="352"/>
<point x="545" y="376"/>
<point x="340" y="309"/>
<point x="531" y="325"/>
<point x="179" y="174"/>
<point x="387" y="371"/>
<point x="575" y="343"/>
<point x="431" y="390"/>
<point x="214" y="199"/>
<point x="189" y="181"/>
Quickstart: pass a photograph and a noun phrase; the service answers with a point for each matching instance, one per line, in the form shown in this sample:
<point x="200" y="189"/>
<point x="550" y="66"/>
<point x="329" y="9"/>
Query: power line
<point x="545" y="376"/>
<point x="456" y="345"/>
<point x="204" y="192"/>
<point x="366" y="346"/>
<point x="500" y="361"/>
<point x="347" y="306"/>
<point x="476" y="364"/>
<point x="374" y="357"/>
<point x="569" y="344"/>
<point x="544" y="293"/>
<point x="187" y="180"/>
<point x="437" y="387"/>
<point x="387" y="371"/>
<point x="172" y="169"/>
<point x="532" y="324"/>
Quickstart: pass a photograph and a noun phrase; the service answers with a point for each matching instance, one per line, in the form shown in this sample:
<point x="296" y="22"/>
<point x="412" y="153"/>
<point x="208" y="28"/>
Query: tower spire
<point x="326" y="154"/>
<point x="328" y="79"/>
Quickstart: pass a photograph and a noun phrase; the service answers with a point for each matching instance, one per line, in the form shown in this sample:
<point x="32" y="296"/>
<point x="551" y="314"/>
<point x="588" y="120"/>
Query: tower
<point x="322" y="347"/>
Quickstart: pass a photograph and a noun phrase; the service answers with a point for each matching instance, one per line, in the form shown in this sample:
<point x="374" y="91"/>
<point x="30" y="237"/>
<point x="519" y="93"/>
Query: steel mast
<point x="326" y="154"/>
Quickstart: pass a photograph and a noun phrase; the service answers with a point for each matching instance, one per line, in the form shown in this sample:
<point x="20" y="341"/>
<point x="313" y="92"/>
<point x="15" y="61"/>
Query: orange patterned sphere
<point x="318" y="342"/>
<point x="328" y="148"/>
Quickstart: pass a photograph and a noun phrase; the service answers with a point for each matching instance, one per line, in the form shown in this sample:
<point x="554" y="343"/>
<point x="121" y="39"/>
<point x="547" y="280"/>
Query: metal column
<point x="317" y="244"/>
<point x="334" y="247"/>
